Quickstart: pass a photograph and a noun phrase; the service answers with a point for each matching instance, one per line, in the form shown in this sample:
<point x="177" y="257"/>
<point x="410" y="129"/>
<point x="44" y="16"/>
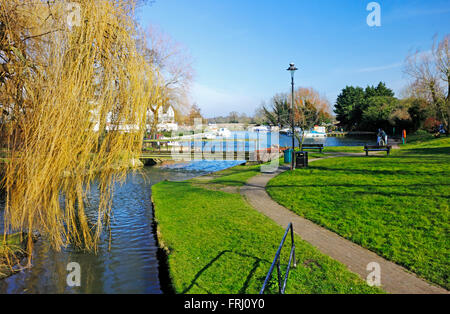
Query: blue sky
<point x="242" y="48"/>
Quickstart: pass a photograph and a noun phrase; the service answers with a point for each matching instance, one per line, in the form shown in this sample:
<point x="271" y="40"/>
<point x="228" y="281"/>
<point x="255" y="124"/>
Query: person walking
<point x="385" y="137"/>
<point x="380" y="137"/>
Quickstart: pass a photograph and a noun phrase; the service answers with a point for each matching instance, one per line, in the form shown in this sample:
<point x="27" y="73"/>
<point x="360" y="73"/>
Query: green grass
<point x="343" y="149"/>
<point x="419" y="138"/>
<point x="219" y="244"/>
<point x="330" y="150"/>
<point x="236" y="176"/>
<point x="396" y="206"/>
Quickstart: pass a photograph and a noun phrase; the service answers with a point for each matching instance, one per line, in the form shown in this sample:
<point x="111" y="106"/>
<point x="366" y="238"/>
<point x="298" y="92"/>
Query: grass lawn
<point x="343" y="149"/>
<point x="236" y="176"/>
<point x="330" y="150"/>
<point x="219" y="244"/>
<point x="396" y="206"/>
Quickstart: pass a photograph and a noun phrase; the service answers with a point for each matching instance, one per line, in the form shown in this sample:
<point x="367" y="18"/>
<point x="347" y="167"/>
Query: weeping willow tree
<point x="73" y="100"/>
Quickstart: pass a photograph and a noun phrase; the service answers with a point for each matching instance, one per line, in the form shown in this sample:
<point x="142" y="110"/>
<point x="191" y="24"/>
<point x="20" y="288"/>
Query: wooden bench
<point x="375" y="148"/>
<point x="313" y="146"/>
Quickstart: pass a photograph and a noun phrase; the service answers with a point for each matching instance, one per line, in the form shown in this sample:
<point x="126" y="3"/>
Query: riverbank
<point x="13" y="250"/>
<point x="396" y="207"/>
<point x="217" y="243"/>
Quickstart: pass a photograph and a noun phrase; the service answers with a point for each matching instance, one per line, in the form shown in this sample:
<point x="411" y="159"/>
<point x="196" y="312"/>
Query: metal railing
<point x="276" y="262"/>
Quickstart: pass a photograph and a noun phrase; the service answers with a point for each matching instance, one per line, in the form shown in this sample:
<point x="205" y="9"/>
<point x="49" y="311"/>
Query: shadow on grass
<point x="365" y="186"/>
<point x="399" y="194"/>
<point x="238" y="169"/>
<point x="428" y="151"/>
<point x="251" y="274"/>
<point x="379" y="172"/>
<point x="234" y="171"/>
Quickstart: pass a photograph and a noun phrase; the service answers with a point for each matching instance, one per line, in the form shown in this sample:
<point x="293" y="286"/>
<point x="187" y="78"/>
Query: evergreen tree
<point x="347" y="103"/>
<point x="354" y="102"/>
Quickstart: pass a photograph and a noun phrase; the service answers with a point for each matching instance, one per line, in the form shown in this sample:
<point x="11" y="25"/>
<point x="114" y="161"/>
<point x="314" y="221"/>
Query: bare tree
<point x="174" y="66"/>
<point x="442" y="54"/>
<point x="310" y="108"/>
<point x="430" y="73"/>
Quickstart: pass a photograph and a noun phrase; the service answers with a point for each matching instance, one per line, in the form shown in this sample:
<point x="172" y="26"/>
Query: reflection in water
<point x="131" y="265"/>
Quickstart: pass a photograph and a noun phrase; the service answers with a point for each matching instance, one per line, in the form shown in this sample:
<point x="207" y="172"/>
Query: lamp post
<point x="292" y="69"/>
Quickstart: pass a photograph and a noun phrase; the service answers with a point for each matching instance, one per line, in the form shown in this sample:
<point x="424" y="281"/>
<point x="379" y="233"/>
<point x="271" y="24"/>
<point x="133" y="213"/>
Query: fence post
<point x="293" y="245"/>
<point x="279" y="276"/>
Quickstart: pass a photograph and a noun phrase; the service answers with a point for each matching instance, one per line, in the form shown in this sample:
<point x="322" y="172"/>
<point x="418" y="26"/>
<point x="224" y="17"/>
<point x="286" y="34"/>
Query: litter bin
<point x="288" y="156"/>
<point x="301" y="159"/>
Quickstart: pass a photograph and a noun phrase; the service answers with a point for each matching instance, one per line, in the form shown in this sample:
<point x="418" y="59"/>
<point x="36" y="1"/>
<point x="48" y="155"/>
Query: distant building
<point x="166" y="120"/>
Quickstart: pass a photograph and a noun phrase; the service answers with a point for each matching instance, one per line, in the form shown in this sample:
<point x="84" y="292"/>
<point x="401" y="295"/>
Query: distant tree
<point x="355" y="106"/>
<point x="378" y="112"/>
<point x="259" y="117"/>
<point x="430" y="74"/>
<point x="194" y="114"/>
<point x="380" y="90"/>
<point x="243" y="118"/>
<point x="175" y="73"/>
<point x="349" y="102"/>
<point x="418" y="110"/>
<point x="431" y="124"/>
<point x="310" y="108"/>
<point x="278" y="113"/>
<point x="233" y="117"/>
<point x="312" y="101"/>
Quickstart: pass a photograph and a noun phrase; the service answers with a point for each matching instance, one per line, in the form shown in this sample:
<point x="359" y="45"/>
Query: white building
<point x="166" y="120"/>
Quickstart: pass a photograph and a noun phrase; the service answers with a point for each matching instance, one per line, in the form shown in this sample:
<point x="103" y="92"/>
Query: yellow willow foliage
<point x="61" y="87"/>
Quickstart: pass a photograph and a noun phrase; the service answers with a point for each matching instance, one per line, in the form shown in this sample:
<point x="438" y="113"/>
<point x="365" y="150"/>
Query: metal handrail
<point x="276" y="261"/>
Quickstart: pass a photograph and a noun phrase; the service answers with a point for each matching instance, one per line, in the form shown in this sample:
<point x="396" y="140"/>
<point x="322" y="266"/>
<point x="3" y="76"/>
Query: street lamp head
<point x="292" y="69"/>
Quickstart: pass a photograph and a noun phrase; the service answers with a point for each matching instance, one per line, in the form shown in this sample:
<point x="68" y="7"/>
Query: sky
<point x="242" y="48"/>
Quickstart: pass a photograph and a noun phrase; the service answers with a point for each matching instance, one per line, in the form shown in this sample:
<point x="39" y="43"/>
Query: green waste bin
<point x="288" y="156"/>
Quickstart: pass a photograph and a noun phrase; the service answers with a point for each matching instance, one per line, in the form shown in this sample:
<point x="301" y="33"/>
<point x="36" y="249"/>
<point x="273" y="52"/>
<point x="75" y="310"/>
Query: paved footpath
<point x="394" y="278"/>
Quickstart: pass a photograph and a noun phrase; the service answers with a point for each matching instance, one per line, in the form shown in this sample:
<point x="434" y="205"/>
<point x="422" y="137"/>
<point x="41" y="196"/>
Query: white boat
<point x="308" y="134"/>
<point x="262" y="129"/>
<point x="210" y="136"/>
<point x="224" y="132"/>
<point x="275" y="129"/>
<point x="315" y="134"/>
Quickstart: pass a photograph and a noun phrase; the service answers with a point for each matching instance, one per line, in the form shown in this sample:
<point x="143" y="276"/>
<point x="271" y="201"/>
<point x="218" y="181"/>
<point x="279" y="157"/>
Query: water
<point x="266" y="140"/>
<point x="131" y="266"/>
<point x="332" y="141"/>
